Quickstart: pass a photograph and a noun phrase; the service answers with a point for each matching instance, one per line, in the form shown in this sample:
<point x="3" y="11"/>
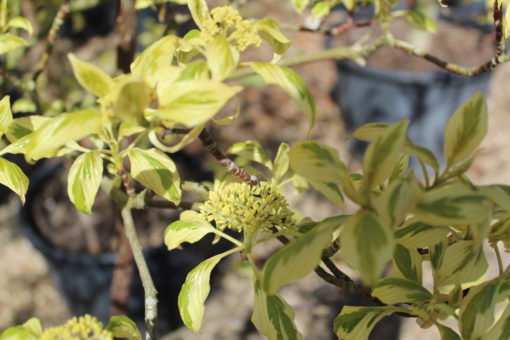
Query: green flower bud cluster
<point x="227" y="20"/>
<point x="252" y="209"/>
<point x="85" y="327"/>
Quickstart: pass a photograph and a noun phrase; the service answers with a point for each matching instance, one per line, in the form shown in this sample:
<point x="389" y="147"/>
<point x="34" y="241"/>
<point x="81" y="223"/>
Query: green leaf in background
<point x="476" y="314"/>
<point x="123" y="327"/>
<point x="300" y="5"/>
<point x="17" y="333"/>
<point x="194" y="102"/>
<point x="319" y="162"/>
<point x="394" y="290"/>
<point x="10" y="42"/>
<point x="459" y="263"/>
<point x="366" y="245"/>
<point x="499" y="194"/>
<point x="420" y="235"/>
<point x="91" y="77"/>
<point x="190" y="228"/>
<point x="252" y="151"/>
<point x="222" y="58"/>
<point x="330" y="190"/>
<point x="194" y="291"/>
<point x="370" y="131"/>
<point x="281" y="162"/>
<point x="12" y="177"/>
<point x="383" y="153"/>
<point x="84" y="179"/>
<point x="34" y="326"/>
<point x="422" y="154"/>
<point x="24" y="105"/>
<point x="58" y="131"/>
<point x="453" y="204"/>
<point x="156" y="171"/>
<point x="269" y="30"/>
<point x="398" y="200"/>
<point x="5" y="115"/>
<point x="154" y="58"/>
<point x="407" y="263"/>
<point x="132" y="100"/>
<point x="298" y="258"/>
<point x="417" y="19"/>
<point x="356" y="323"/>
<point x="273" y="317"/>
<point x="465" y="130"/>
<point x="20" y="22"/>
<point x="291" y="82"/>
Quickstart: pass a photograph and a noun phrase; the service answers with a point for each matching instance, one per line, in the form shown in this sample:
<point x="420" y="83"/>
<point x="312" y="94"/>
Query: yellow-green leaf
<point x="12" y="177"/>
<point x="407" y="263"/>
<point x="156" y="171"/>
<point x="5" y="115"/>
<point x="383" y="153"/>
<point x="20" y="22"/>
<point x="23" y="126"/>
<point x="222" y="58"/>
<point x="394" y="290"/>
<point x="199" y="11"/>
<point x="269" y="31"/>
<point x="91" y="77"/>
<point x="17" y="333"/>
<point x="281" y="162"/>
<point x="84" y="179"/>
<point x="330" y="190"/>
<point x="190" y="228"/>
<point x="356" y="323"/>
<point x="273" y="317"/>
<point x="418" y="19"/>
<point x="300" y="5"/>
<point x="420" y="235"/>
<point x="194" y="291"/>
<point x="155" y="57"/>
<point x="123" y="327"/>
<point x="252" y="151"/>
<point x="291" y="82"/>
<point x="501" y="329"/>
<point x="56" y="132"/>
<point x="194" y="102"/>
<point x="398" y="200"/>
<point x="10" y="42"/>
<point x="298" y="258"/>
<point x="466" y="129"/>
<point x="366" y="245"/>
<point x="132" y="100"/>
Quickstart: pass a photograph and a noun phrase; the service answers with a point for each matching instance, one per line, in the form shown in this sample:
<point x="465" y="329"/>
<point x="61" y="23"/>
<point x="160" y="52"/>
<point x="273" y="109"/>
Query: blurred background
<point x="41" y="255"/>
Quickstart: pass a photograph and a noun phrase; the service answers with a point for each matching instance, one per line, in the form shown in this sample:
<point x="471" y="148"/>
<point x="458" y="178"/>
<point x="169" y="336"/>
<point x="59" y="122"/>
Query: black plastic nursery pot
<point x="84" y="279"/>
<point x="428" y="99"/>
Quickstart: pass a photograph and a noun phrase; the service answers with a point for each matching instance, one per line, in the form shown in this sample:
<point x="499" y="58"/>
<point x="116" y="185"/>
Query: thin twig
<point x="125" y="30"/>
<point x="62" y="13"/>
<point x="498" y="27"/>
<point x="151" y="301"/>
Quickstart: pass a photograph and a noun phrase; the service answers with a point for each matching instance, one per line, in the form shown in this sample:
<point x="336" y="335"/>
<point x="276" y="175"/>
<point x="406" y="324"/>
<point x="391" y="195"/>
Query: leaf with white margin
<point x="299" y="257"/>
<point x="222" y="58"/>
<point x="501" y="329"/>
<point x="91" y="77"/>
<point x="24" y="126"/>
<point x="419" y="235"/>
<point x="9" y="42"/>
<point x="190" y="228"/>
<point x="273" y="317"/>
<point x="5" y="115"/>
<point x="193" y="102"/>
<point x="394" y="290"/>
<point x="476" y="314"/>
<point x="195" y="290"/>
<point x="156" y="171"/>
<point x="407" y="263"/>
<point x="269" y="30"/>
<point x="84" y="179"/>
<point x="58" y="131"/>
<point x="291" y="82"/>
<point x="20" y="22"/>
<point x="356" y="323"/>
<point x="252" y="151"/>
<point x="199" y="11"/>
<point x="366" y="245"/>
<point x="466" y="129"/>
<point x="123" y="327"/>
<point x="158" y="55"/>
<point x="12" y="177"/>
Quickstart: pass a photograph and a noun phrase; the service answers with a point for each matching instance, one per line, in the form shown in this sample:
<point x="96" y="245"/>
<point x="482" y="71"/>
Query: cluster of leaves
<point x="402" y="221"/>
<point x="182" y="84"/>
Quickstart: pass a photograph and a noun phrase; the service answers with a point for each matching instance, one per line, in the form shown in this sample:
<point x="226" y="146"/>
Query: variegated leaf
<point x="394" y="290"/>
<point x="190" y="228"/>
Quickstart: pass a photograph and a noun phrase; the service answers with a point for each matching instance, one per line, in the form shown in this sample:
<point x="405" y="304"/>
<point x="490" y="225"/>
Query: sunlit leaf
<point x="466" y="129"/>
<point x="269" y="31"/>
<point x="84" y="180"/>
<point x="358" y="322"/>
<point x="5" y="115"/>
<point x="281" y="161"/>
<point x="156" y="171"/>
<point x="419" y="234"/>
<point x="91" y="77"/>
<point x="132" y="99"/>
<point x="199" y="11"/>
<point x="222" y="58"/>
<point x="155" y="57"/>
<point x="394" y="290"/>
<point x="418" y="19"/>
<point x="123" y="327"/>
<point x="12" y="177"/>
<point x="20" y="22"/>
<point x="251" y="150"/>
<point x="190" y="228"/>
<point x="10" y="42"/>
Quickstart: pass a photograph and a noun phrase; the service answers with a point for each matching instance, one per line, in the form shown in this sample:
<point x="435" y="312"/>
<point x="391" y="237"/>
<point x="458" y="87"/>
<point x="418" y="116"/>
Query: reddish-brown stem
<point x="498" y="27"/>
<point x="126" y="34"/>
